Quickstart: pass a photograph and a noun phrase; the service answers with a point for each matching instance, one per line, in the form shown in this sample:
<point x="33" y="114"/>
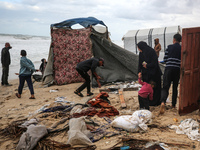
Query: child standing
<point x="43" y="65"/>
<point x="146" y="93"/>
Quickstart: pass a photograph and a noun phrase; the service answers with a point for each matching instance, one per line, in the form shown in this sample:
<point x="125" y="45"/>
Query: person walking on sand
<point x="172" y="59"/>
<point x="5" y="61"/>
<point x="157" y="46"/>
<point x="82" y="68"/>
<point x="26" y="70"/>
<point x="145" y="93"/>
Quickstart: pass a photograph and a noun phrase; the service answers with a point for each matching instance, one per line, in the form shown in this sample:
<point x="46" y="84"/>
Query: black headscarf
<point x="148" y="52"/>
<point x="149" y="56"/>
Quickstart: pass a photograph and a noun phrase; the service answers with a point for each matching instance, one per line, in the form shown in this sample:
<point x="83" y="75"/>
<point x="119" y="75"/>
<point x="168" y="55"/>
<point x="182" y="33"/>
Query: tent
<point x="165" y="35"/>
<point x="71" y="46"/>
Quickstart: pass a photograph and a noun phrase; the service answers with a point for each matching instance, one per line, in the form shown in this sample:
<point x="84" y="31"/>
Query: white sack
<point x="134" y="122"/>
<point x="78" y="133"/>
<point x="29" y="139"/>
<point x="29" y="122"/>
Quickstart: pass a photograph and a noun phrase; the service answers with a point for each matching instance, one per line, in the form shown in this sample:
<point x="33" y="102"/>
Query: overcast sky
<point x="34" y="17"/>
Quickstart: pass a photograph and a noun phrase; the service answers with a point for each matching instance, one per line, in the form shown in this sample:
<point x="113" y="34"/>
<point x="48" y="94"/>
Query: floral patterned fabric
<point x="69" y="48"/>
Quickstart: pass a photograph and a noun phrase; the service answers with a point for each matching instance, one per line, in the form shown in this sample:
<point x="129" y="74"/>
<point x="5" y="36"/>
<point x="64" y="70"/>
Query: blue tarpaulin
<point x="85" y="22"/>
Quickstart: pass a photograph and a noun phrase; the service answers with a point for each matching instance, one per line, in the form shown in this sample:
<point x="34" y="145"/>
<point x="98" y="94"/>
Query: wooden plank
<point x="109" y="90"/>
<point x="130" y="89"/>
<point x="121" y="97"/>
<point x="104" y="90"/>
<point x="114" y="89"/>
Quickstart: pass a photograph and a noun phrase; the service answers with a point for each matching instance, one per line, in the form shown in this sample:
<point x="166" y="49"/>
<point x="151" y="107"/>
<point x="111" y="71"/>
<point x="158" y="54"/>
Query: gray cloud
<point x="35" y="16"/>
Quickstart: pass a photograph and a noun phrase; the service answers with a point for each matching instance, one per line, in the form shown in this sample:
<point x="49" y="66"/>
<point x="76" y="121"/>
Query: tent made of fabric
<point x="71" y="46"/>
<point x="164" y="34"/>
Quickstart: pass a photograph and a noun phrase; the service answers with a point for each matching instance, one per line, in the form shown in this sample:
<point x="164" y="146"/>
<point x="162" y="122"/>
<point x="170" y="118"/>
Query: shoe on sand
<point x="8" y="84"/>
<point x="18" y="96"/>
<point x="31" y="97"/>
<point x="78" y="93"/>
<point x="162" y="108"/>
<point x="89" y="94"/>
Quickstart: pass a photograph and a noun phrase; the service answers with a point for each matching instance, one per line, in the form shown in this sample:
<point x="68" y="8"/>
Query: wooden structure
<point x="190" y="71"/>
<point x="121" y="97"/>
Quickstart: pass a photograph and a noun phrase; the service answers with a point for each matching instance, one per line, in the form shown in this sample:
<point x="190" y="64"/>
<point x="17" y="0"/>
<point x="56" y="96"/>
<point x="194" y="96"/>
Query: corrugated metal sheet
<point x="144" y="32"/>
<point x="190" y="71"/>
<point x="165" y="35"/>
<point x="157" y="31"/>
<point x="130" y="33"/>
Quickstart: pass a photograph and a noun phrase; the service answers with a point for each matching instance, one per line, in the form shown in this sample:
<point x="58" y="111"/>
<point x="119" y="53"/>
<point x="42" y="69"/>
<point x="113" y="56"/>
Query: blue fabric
<point x="26" y="66"/>
<point x="22" y="79"/>
<point x="85" y="22"/>
<point x="56" y="108"/>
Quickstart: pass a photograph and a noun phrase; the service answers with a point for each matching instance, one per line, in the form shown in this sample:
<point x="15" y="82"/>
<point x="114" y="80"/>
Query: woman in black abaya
<point x="149" y="67"/>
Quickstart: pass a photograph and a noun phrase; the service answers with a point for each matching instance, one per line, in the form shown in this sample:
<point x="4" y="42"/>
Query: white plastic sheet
<point x="189" y="127"/>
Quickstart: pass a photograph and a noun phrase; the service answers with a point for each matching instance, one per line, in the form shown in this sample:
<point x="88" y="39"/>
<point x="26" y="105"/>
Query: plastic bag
<point x="78" y="133"/>
<point x="189" y="127"/>
<point x="134" y="122"/>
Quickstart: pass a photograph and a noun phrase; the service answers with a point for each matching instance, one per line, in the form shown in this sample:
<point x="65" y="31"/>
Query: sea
<point x="37" y="48"/>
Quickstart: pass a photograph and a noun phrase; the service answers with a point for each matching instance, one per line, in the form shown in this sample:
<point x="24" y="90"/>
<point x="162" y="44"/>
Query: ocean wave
<point x="25" y="37"/>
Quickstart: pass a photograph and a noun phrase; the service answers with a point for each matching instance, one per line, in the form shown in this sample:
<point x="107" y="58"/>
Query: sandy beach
<point x="13" y="109"/>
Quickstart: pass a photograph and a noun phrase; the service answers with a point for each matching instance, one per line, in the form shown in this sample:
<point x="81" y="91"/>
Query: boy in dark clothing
<point x="146" y="93"/>
<point x="82" y="68"/>
<point x="43" y="65"/>
<point x="5" y="61"/>
<point x="172" y="59"/>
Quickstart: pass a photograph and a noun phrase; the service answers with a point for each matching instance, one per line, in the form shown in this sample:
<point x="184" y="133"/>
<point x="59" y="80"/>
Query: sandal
<point x="17" y="95"/>
<point x="89" y="94"/>
<point x="78" y="93"/>
<point x="31" y="97"/>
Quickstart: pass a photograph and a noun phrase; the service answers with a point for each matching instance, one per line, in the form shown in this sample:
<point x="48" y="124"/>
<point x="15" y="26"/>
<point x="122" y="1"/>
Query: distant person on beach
<point x="157" y="46"/>
<point x="172" y="59"/>
<point x="82" y="68"/>
<point x="146" y="93"/>
<point x="26" y="70"/>
<point x="149" y="67"/>
<point x="43" y="65"/>
<point x="5" y="61"/>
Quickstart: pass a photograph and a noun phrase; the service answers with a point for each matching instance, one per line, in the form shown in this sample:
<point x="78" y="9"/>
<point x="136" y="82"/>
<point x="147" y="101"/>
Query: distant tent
<point x="165" y="35"/>
<point x="71" y="46"/>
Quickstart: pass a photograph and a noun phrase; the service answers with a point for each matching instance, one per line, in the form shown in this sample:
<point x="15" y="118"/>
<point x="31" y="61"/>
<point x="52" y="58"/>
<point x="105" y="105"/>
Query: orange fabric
<point x="106" y="109"/>
<point x="102" y="94"/>
<point x="91" y="111"/>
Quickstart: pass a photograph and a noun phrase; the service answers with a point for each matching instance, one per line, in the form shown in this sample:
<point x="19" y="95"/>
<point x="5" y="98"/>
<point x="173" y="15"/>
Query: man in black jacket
<point x="82" y="68"/>
<point x="5" y="61"/>
<point x="172" y="59"/>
